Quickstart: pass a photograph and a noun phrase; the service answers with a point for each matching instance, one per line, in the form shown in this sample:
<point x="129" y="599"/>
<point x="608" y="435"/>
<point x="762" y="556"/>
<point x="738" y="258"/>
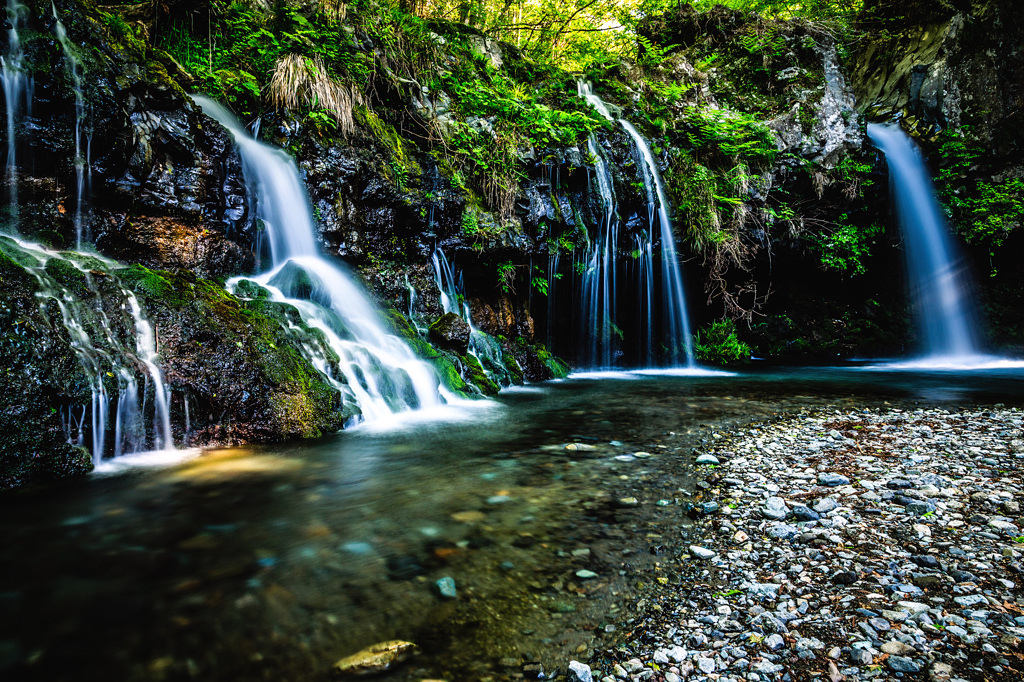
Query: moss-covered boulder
<point x="450" y="332"/>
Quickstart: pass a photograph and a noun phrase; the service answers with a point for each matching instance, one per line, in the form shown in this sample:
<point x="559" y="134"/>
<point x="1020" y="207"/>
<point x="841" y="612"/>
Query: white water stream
<point x="382" y="372"/>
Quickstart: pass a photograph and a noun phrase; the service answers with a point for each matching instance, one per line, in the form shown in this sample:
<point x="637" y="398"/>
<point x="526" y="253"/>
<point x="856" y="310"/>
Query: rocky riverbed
<point x="856" y="544"/>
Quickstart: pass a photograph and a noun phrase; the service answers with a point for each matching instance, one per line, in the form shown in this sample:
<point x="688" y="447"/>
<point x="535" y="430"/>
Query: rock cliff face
<point x="160" y="172"/>
<point x="945" y="66"/>
<point x="756" y="126"/>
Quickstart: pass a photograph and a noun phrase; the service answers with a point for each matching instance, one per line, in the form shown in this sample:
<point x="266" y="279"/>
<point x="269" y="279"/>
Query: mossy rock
<point x="450" y="332"/>
<point x="476" y="376"/>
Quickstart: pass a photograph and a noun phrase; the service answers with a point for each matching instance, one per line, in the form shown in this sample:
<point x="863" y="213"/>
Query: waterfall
<point x="485" y="348"/>
<point x="381" y="371"/>
<point x="82" y="162"/>
<point x="17" y="87"/>
<point x="103" y="355"/>
<point x="600" y="288"/>
<point x="938" y="282"/>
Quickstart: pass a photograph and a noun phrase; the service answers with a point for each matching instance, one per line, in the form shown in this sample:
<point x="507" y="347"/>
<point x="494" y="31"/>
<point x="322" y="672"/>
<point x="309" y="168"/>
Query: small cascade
<point x="674" y="296"/>
<point x="82" y="160"/>
<point x="360" y="359"/>
<point x="485" y="348"/>
<point x="938" y="282"/>
<point x="17" y="86"/>
<point x="600" y="288"/>
<point x="106" y="360"/>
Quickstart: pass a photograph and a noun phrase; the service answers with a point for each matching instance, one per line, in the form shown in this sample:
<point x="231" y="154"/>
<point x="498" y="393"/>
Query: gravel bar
<point x="876" y="544"/>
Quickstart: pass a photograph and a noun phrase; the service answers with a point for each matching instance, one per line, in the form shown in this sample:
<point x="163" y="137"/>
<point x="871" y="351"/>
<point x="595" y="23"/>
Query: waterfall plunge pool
<point x="273" y="562"/>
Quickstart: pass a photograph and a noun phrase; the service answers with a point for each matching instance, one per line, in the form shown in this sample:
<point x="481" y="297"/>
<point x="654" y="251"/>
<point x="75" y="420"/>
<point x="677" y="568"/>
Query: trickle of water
<point x="103" y="355"/>
<point x="379" y="370"/>
<point x="82" y="160"/>
<point x="600" y="295"/>
<point x="17" y="86"/>
<point x="486" y="349"/>
<point x="938" y="281"/>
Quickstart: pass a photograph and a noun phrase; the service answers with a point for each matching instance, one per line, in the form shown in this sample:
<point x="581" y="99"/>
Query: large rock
<point x="451" y="332"/>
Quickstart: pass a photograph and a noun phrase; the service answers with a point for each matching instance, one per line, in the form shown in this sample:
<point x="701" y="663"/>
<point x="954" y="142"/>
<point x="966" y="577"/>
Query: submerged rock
<point x="374" y="659"/>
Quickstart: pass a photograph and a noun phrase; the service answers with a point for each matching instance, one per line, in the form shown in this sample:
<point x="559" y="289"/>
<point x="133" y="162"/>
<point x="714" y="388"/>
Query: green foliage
<point x="506" y="277"/>
<point x="718" y="344"/>
<point x="816" y="10"/>
<point x="983" y="209"/>
<point x="651" y="54"/>
<point x="845" y="247"/>
<point x="730" y="133"/>
<point x="763" y="41"/>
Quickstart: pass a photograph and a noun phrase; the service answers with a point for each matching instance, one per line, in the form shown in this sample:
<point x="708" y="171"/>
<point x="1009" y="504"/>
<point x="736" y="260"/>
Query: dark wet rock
<point x="804" y="513"/>
<point x="450" y="331"/>
<point x="533" y="671"/>
<point x="404" y="568"/>
<point x="926" y="561"/>
<point x="921" y="507"/>
<point x="844" y="578"/>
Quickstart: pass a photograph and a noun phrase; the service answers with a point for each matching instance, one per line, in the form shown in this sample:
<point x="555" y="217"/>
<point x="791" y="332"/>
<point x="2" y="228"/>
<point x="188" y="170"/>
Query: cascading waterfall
<point x="17" y="86"/>
<point x="674" y="296"/>
<point x="378" y="369"/>
<point x="600" y="294"/>
<point x="82" y="160"/>
<point x="102" y="354"/>
<point x="939" y="285"/>
<point x="486" y="349"/>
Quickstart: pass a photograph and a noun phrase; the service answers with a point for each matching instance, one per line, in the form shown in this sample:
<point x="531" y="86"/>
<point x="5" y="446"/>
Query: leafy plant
<point x="506" y="277"/>
<point x="718" y="344"/>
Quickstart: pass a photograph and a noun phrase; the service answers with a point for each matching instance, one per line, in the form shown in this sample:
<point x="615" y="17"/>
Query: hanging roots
<point x="299" y="80"/>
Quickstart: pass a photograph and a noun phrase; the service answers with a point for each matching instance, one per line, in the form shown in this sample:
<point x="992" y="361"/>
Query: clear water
<point x="272" y="563"/>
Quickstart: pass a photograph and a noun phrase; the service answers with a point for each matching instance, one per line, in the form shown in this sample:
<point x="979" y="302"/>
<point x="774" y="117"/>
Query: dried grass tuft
<point x="299" y="80"/>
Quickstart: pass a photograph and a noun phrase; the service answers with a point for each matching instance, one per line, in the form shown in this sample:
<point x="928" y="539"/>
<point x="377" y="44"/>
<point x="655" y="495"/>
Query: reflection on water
<point x="273" y="562"/>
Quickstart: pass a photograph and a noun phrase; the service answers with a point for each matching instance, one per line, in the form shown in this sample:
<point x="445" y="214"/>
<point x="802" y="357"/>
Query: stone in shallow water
<point x="585" y="574"/>
<point x="707" y="459"/>
<point x="446" y="587"/>
<point x="374" y="659"/>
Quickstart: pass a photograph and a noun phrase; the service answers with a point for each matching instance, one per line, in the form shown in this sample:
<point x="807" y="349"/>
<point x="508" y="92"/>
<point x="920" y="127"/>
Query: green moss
<point x="476" y="376"/>
<point x="513" y="368"/>
<point x="449" y="375"/>
<point x="557" y="367"/>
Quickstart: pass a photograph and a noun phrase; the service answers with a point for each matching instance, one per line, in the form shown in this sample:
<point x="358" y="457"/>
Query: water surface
<point x="273" y="562"/>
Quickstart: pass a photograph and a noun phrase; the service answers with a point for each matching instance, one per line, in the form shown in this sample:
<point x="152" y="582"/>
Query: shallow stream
<point x="274" y="562"/>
